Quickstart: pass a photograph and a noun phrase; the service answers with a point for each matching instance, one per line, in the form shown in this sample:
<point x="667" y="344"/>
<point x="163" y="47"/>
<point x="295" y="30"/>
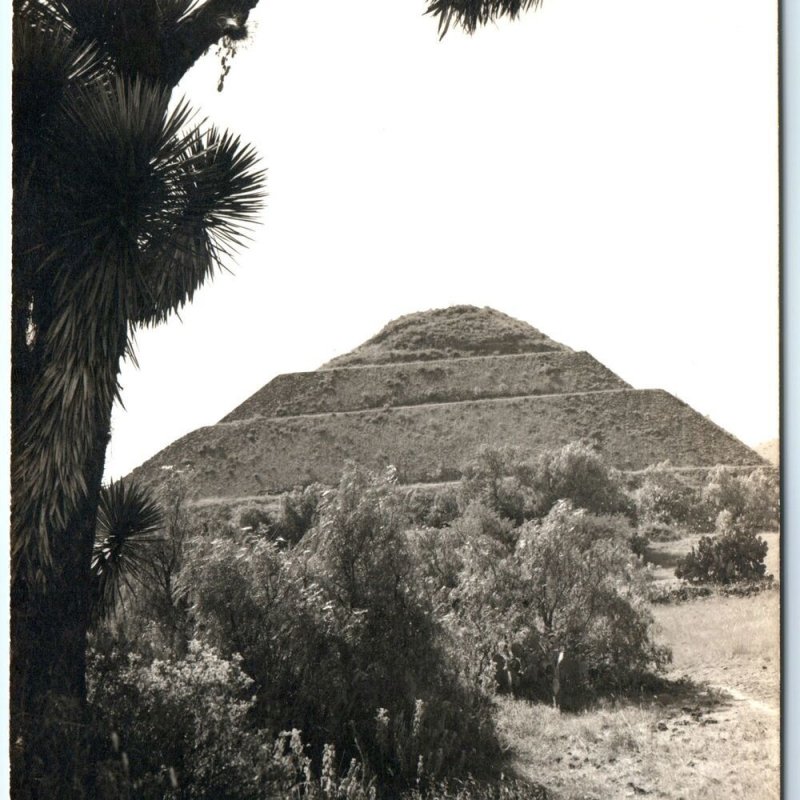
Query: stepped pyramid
<point x="423" y="395"/>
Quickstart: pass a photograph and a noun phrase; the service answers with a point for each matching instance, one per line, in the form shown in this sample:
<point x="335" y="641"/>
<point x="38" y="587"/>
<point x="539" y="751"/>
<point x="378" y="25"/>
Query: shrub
<point x="431" y="509"/>
<point x="256" y="518"/>
<point x="363" y="563"/>
<point x="753" y="500"/>
<point x="181" y="726"/>
<point x="339" y="627"/>
<point x="568" y="582"/>
<point x="517" y="490"/>
<point x="577" y="473"/>
<point x="298" y="512"/>
<point x="733" y="555"/>
<point x="586" y="593"/>
<point x="664" y="501"/>
<point x="499" y="480"/>
<point x="478" y="521"/>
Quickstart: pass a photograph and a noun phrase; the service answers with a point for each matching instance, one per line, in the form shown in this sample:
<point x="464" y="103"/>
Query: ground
<point x="713" y="734"/>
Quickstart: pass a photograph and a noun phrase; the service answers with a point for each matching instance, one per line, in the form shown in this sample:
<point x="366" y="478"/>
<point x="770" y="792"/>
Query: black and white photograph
<point x="394" y="400"/>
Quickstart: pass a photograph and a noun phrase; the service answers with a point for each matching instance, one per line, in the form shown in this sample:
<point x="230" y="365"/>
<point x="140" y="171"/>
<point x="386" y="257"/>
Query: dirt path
<point x="751" y="702"/>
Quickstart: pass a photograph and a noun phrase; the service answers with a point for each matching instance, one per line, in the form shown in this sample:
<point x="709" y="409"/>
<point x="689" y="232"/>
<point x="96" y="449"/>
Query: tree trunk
<point x="49" y="728"/>
<point x="51" y="600"/>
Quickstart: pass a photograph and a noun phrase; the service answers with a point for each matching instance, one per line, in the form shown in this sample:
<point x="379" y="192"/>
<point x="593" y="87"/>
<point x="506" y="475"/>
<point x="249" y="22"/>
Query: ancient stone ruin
<point x="423" y="395"/>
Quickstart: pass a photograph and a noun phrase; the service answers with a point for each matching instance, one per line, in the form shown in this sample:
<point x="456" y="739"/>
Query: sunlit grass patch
<point x="626" y="750"/>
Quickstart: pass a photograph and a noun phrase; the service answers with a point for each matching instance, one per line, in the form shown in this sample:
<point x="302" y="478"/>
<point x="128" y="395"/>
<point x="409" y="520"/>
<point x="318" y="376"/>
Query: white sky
<point x="606" y="171"/>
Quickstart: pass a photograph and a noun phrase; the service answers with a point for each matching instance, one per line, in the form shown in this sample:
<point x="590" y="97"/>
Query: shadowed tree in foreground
<point x="122" y="209"/>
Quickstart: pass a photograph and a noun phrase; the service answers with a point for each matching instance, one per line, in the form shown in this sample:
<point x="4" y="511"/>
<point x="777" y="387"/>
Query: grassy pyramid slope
<point x="455" y="332"/>
<point x="418" y="382"/>
<point x="423" y="395"/>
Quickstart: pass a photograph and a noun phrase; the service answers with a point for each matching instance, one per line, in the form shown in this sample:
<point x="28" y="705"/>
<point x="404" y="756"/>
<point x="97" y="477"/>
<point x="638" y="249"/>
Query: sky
<point x="607" y="172"/>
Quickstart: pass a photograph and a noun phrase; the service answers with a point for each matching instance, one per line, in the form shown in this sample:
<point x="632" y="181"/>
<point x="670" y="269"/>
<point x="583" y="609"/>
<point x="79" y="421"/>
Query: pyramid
<point x="424" y="394"/>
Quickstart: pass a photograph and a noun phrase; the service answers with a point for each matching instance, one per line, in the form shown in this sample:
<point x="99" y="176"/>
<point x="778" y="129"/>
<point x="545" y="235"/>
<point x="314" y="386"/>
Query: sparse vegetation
<point x="384" y="641"/>
<point x="732" y="555"/>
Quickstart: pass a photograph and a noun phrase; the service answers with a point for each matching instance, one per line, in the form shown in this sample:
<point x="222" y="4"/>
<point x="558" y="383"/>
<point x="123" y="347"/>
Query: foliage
<point x="129" y="210"/>
<point x="164" y="603"/>
<point x="734" y="554"/>
<point x="294" y="517"/>
<point x="298" y="512"/>
<point x="501" y="481"/>
<point x="752" y="500"/>
<point x="128" y="519"/>
<point x="337" y="630"/>
<point x="577" y="473"/>
<point x="518" y="490"/>
<point x="431" y="509"/>
<point x="123" y="207"/>
<point x="470" y="14"/>
<point x="256" y="518"/>
<point x="586" y="595"/>
<point x="512" y="598"/>
<point x="664" y="501"/>
<point x="182" y="728"/>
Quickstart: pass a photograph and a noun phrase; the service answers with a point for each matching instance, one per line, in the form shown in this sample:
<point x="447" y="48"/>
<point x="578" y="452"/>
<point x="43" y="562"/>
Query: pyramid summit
<point x="424" y="394"/>
<point x="454" y="332"/>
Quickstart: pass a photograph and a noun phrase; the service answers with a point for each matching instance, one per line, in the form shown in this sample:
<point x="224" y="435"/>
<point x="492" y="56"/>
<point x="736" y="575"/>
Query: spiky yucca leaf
<point x="133" y="34"/>
<point x="128" y="521"/>
<point x="46" y="62"/>
<point x="128" y="210"/>
<point x="140" y="213"/>
<point x="222" y="191"/>
<point x="470" y="14"/>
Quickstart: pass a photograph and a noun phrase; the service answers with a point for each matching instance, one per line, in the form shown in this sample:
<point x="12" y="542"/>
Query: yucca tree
<point x="129" y="523"/>
<point x="123" y="207"/>
<point x="471" y="14"/>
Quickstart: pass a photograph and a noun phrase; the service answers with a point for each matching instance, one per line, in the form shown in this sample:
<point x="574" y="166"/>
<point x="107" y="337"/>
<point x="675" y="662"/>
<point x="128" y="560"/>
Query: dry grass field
<point x="713" y="733"/>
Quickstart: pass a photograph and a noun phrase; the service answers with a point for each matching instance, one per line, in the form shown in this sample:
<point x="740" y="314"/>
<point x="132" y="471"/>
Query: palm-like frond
<point x="129" y="210"/>
<point x="46" y="60"/>
<point x="470" y="14"/>
<point x="128" y="521"/>
<point x="134" y="35"/>
<point x="221" y="192"/>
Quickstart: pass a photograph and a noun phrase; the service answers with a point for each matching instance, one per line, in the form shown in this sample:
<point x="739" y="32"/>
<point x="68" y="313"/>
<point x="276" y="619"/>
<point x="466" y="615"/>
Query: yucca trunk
<point x="50" y="614"/>
<point x="119" y="216"/>
<point x="48" y="690"/>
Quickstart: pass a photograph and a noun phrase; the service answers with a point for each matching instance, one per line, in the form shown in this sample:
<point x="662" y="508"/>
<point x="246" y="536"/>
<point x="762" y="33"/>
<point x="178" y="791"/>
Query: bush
<point x="181" y="727"/>
<point x="340" y="639"/>
<point x="733" y="555"/>
<point x="753" y="500"/>
<point x="256" y="518"/>
<point x="512" y="602"/>
<point x="586" y="593"/>
<point x="431" y="509"/>
<point x="664" y="501"/>
<point x="517" y="490"/>
<point x="577" y="473"/>
<point x="298" y="512"/>
<point x="499" y="480"/>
